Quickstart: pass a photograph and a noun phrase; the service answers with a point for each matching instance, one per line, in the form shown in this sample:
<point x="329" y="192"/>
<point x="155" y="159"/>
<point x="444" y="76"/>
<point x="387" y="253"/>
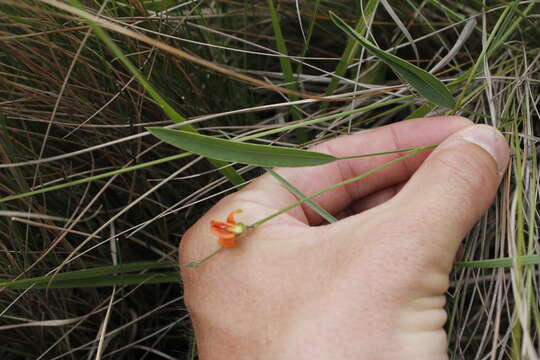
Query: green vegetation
<point x="92" y="206"/>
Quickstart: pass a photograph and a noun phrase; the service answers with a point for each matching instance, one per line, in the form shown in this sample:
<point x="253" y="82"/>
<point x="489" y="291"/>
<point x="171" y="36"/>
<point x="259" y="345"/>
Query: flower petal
<point x="221" y="224"/>
<point x="222" y="233"/>
<point x="230" y="217"/>
<point x="227" y="243"/>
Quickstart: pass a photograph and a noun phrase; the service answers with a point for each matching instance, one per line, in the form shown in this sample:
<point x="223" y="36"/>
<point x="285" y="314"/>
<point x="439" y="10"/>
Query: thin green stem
<point x="324" y="118"/>
<point x="332" y="187"/>
<point x="324" y="214"/>
<point x="418" y="148"/>
<point x="96" y="177"/>
<point x="195" y="264"/>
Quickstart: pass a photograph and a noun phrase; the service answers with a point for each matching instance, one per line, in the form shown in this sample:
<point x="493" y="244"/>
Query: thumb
<point x="449" y="193"/>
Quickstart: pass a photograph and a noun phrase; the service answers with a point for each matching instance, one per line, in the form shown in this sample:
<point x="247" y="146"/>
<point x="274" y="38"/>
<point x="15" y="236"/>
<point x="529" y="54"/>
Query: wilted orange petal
<point x="227" y="243"/>
<point x="222" y="233"/>
<point x="230" y="217"/>
<point x="220" y="223"/>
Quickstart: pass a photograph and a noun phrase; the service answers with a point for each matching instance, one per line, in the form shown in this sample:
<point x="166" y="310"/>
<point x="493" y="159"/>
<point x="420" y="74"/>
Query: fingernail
<point x="491" y="140"/>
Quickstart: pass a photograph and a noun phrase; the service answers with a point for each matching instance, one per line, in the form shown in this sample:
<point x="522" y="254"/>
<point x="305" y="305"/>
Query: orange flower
<point x="227" y="231"/>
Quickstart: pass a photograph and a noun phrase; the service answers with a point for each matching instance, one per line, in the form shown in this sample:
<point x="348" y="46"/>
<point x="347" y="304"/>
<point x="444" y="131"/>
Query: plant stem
<point x="332" y="187"/>
<point x="418" y="148"/>
<point x="195" y="264"/>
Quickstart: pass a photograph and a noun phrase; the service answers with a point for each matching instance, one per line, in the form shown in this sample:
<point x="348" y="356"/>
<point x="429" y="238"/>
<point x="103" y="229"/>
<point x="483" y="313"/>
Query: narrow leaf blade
<point x="110" y="280"/>
<point x="324" y="214"/>
<point x="426" y="84"/>
<point x="500" y="262"/>
<point x="234" y="151"/>
<point x="79" y="276"/>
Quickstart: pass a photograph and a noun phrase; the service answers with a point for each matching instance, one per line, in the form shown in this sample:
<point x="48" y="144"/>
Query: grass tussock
<point x="83" y="185"/>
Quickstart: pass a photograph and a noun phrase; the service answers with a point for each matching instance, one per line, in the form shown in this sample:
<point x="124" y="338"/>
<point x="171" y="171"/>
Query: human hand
<point x="370" y="286"/>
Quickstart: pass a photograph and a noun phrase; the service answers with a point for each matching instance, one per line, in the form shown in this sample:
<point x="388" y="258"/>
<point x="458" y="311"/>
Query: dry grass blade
<point x="107" y="193"/>
<point x="182" y="54"/>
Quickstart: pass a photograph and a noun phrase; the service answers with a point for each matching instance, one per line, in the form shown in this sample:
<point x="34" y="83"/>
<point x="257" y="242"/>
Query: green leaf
<point x="324" y="214"/>
<point x="351" y="48"/>
<point x="500" y="262"/>
<point x="234" y="151"/>
<point x="286" y="67"/>
<point x="426" y="84"/>
<point x="99" y="276"/>
<point x="115" y="280"/>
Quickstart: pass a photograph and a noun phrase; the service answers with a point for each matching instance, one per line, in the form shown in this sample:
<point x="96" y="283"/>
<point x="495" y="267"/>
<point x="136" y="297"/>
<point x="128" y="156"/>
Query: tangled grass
<point x="82" y="185"/>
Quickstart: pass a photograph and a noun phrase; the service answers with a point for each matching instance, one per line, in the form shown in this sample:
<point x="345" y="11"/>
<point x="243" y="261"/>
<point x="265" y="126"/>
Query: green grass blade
<point x="421" y="111"/>
<point x="500" y="263"/>
<point x="114" y="280"/>
<point x="325" y="118"/>
<point x="506" y="24"/>
<point x="351" y="49"/>
<point x="426" y="84"/>
<point x="324" y="214"/>
<point x="95" y="177"/>
<point x="226" y="150"/>
<point x="286" y="67"/>
<point x="81" y="275"/>
<point x="309" y="34"/>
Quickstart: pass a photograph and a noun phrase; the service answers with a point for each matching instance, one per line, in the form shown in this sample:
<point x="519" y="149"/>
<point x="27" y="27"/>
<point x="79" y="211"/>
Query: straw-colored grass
<point x="83" y="186"/>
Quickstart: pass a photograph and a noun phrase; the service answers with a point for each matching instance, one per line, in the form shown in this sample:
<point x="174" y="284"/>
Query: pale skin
<point x="370" y="286"/>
